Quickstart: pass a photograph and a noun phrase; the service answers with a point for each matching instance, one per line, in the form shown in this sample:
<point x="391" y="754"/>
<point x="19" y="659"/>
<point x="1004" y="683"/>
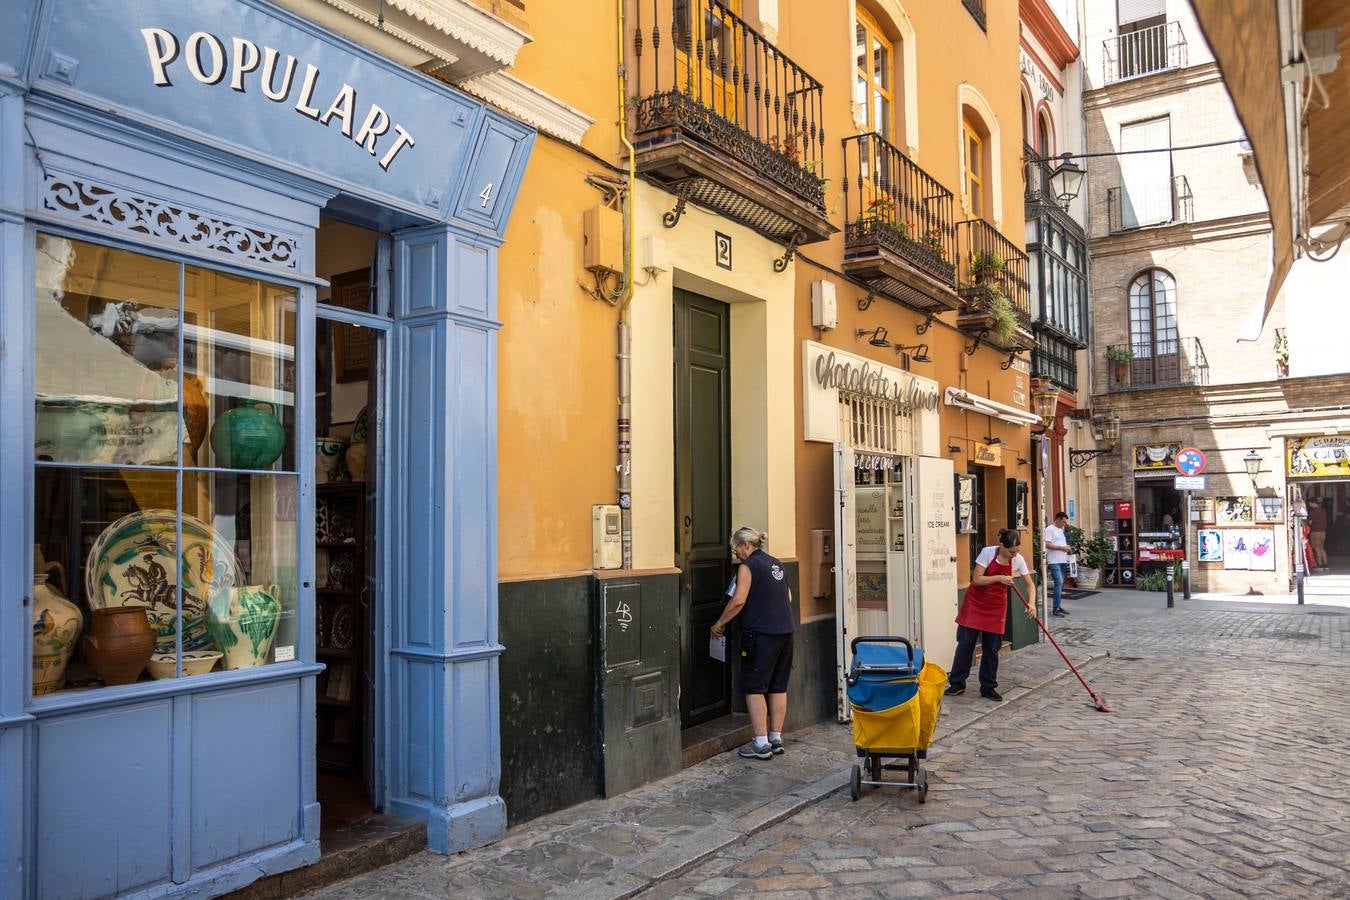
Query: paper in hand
<point x="717" y="647"/>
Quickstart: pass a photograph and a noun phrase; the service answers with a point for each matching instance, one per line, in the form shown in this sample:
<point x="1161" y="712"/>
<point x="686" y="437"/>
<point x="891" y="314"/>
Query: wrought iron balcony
<point x="726" y="120"/>
<point x="976" y="10"/>
<point x="990" y="272"/>
<point x="1164" y="362"/>
<point x="1161" y="203"/>
<point x="899" y="235"/>
<point x="1133" y="54"/>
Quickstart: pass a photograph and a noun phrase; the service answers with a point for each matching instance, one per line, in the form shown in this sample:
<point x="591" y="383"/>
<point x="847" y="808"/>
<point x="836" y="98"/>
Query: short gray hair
<point x="747" y="535"/>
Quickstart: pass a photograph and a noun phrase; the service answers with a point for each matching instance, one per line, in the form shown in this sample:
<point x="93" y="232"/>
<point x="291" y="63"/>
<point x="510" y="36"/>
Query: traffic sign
<point x="1190" y="461"/>
<point x="1189" y="482"/>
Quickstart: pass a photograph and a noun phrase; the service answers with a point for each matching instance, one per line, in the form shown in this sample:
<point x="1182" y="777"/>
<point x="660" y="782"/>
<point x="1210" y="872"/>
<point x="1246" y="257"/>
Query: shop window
<point x="873" y="77"/>
<point x="165" y="485"/>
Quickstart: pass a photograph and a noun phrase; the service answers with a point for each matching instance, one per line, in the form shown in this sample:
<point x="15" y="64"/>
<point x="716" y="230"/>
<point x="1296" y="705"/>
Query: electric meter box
<point x="606" y="540"/>
<point x="824" y="310"/>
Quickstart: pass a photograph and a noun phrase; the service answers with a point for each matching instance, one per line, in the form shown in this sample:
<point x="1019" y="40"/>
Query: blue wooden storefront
<point x="198" y="785"/>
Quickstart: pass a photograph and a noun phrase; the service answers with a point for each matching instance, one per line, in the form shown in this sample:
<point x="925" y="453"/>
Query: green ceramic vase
<point x="248" y="436"/>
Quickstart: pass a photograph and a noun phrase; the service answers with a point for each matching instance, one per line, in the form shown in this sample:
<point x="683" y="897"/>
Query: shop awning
<point x="1305" y="174"/>
<point x="975" y="403"/>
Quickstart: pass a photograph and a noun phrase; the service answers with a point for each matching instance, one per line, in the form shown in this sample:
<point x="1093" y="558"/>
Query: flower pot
<point x="243" y="622"/>
<point x="248" y="436"/>
<point x="327" y="460"/>
<point x="120" y="643"/>
<point x="56" y="625"/>
<point x="1119" y="370"/>
<point x="1088" y="579"/>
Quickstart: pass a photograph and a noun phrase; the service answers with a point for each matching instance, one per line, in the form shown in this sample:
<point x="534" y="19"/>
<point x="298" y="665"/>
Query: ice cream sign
<point x="1318" y="457"/>
<point x="239" y="64"/>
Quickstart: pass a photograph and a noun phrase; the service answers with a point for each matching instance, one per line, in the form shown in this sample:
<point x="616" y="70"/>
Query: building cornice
<point x="531" y="105"/>
<point x="1151" y="87"/>
<point x="1180" y="235"/>
<point x="1041" y="20"/>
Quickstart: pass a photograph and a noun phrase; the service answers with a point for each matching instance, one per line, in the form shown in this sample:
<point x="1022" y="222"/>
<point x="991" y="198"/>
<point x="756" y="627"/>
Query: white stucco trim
<point x="531" y="105"/>
<point x="895" y="14"/>
<point x="469" y="25"/>
<point x="968" y="95"/>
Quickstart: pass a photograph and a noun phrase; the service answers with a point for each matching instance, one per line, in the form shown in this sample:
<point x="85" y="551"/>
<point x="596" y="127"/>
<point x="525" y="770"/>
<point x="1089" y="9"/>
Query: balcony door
<point x="1146" y="178"/>
<point x="1154" y="342"/>
<point x="711" y="33"/>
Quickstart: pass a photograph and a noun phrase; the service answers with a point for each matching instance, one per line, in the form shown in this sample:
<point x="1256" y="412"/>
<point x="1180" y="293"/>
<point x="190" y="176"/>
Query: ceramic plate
<point x="133" y="563"/>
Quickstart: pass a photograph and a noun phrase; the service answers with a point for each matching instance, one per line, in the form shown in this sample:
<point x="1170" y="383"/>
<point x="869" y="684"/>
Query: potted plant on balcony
<point x="1119" y="357"/>
<point x="1095" y="554"/>
<point x="933" y="241"/>
<point x="1002" y="315"/>
<point x="985" y="265"/>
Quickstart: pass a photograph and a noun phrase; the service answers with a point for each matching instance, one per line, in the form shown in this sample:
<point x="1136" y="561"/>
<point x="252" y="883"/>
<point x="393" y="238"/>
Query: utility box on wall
<point x="606" y="537"/>
<point x="603" y="230"/>
<point x="820" y="563"/>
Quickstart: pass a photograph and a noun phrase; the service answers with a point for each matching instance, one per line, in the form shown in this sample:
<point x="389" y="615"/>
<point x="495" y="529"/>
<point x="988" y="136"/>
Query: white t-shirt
<point x="1055" y="535"/>
<point x="1019" y="565"/>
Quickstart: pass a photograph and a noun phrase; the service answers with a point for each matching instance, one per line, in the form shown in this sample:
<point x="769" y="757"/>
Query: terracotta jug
<point x="120" y="643"/>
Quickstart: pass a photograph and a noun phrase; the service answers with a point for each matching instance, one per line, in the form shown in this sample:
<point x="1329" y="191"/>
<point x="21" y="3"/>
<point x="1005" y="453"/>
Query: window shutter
<point x="1128" y="11"/>
<point x="1146" y="178"/>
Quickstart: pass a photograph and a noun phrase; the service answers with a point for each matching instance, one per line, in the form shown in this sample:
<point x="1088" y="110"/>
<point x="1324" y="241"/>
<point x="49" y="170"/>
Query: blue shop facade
<point x="248" y="464"/>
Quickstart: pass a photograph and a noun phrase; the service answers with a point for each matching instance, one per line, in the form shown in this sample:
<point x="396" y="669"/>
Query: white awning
<point x="975" y="403"/>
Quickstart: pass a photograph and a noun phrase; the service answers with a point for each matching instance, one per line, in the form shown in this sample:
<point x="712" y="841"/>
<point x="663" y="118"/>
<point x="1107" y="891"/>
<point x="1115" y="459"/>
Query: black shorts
<point x="766" y="663"/>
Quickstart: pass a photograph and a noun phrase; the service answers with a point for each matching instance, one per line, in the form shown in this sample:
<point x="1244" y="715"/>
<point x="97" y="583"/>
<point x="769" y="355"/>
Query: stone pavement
<point x="1220" y="772"/>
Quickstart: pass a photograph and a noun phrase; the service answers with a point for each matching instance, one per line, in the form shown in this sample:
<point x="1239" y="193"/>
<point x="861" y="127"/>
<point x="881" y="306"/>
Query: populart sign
<point x="830" y="375"/>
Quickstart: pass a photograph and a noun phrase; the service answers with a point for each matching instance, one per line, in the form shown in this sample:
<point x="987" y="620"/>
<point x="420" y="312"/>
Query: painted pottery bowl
<point x="327" y="460"/>
<point x="195" y="662"/>
<point x="1158" y="454"/>
<point x="135" y="562"/>
<point x="361" y="426"/>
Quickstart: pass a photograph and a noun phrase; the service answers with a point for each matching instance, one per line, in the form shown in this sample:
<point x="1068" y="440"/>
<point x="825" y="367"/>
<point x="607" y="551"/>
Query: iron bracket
<point x="672" y="218"/>
<point x="975" y="342"/>
<point x="926" y="324"/>
<point x="865" y="302"/>
<point x="1080" y="458"/>
<point x="781" y="264"/>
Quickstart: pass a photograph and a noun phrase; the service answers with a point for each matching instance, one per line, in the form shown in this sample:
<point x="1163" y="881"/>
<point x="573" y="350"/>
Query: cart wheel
<point x="923" y="786"/>
<point x="855" y="783"/>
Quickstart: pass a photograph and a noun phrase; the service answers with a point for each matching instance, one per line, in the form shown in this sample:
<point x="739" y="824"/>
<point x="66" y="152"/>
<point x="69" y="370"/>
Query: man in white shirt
<point x="1057" y="558"/>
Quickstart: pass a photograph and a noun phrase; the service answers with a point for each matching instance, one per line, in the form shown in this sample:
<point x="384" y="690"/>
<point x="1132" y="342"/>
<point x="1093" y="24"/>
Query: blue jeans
<point x="1057" y="573"/>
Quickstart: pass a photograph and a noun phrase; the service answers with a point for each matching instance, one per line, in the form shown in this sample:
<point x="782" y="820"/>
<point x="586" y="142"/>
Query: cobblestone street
<point x="1221" y="771"/>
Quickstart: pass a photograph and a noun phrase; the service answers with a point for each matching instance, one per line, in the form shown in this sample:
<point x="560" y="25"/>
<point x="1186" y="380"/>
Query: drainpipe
<point x="625" y="465"/>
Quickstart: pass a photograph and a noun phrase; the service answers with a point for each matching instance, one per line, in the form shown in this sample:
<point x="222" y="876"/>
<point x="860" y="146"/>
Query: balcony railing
<point x="891" y="204"/>
<point x="988" y="265"/>
<point x="1172" y="362"/>
<point x="976" y="10"/>
<point x="1162" y="203"/>
<point x="1143" y="52"/>
<point x="727" y="119"/>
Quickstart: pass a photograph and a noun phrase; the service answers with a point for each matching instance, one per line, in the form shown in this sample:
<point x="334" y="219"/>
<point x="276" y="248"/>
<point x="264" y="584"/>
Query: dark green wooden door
<point x="702" y="497"/>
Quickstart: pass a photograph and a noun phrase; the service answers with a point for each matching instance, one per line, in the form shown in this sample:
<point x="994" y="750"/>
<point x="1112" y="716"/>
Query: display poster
<point x="1261" y="545"/>
<point x="1152" y="457"/>
<point x="1124" y="509"/>
<point x="1317" y="456"/>
<point x="1233" y="511"/>
<point x="870" y="519"/>
<point x="1211" y="545"/>
<point x="1269" y="510"/>
<point x="1202" y="509"/>
<point x="965" y="504"/>
<point x="1236" y="553"/>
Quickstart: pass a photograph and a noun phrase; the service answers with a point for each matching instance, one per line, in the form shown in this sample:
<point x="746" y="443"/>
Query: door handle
<point x="952" y="558"/>
<point x="688" y="520"/>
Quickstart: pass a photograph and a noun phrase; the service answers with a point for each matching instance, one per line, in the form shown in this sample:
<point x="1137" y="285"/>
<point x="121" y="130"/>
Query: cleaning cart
<point x="895" y="697"/>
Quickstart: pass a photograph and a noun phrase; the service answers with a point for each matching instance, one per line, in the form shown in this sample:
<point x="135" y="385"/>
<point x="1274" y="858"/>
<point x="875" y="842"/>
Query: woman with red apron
<point x="984" y="611"/>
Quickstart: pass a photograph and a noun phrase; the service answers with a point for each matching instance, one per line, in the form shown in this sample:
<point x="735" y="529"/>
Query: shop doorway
<point x="350" y="366"/>
<point x="702" y="498"/>
<point x="1334" y="498"/>
<point x="978" y="539"/>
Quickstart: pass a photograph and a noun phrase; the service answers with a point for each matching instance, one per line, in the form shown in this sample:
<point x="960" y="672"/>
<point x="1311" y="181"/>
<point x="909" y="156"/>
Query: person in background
<point x="1057" y="559"/>
<point x="763" y="600"/>
<point x="983" y="612"/>
<point x="1317" y="531"/>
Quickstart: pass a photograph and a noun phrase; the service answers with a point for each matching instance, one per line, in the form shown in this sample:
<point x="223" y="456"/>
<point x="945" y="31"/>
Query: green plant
<point x="986" y="263"/>
<point x="1097" y="550"/>
<point x="1119" y="354"/>
<point x="1152" y="581"/>
<point x="1075" y="537"/>
<point x="900" y="228"/>
<point x="1003" y="316"/>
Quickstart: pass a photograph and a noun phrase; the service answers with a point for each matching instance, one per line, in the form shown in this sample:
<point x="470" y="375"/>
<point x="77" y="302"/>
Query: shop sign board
<point x="250" y="75"/>
<point x="826" y="371"/>
<point x="1318" y="456"/>
<point x="987" y="454"/>
<point x="1153" y="457"/>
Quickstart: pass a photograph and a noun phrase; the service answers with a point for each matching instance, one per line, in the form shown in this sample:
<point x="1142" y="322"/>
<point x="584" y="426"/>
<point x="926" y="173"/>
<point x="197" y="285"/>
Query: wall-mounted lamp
<point x="1046" y="400"/>
<point x="1067" y="180"/>
<point x="878" y="336"/>
<point x="991" y="441"/>
<point x="922" y="356"/>
<point x="953" y="448"/>
<point x="1253" y="463"/>
<point x="1110" y="435"/>
<point x="1022" y="461"/>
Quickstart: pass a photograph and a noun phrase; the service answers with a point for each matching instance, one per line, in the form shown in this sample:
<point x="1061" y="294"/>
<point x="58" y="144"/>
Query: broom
<point x="1097" y="699"/>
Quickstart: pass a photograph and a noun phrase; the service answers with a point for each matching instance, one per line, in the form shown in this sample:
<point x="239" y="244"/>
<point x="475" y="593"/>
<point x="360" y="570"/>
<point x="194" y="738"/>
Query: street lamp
<point x="1067" y="180"/>
<point x="1110" y="436"/>
<point x="1253" y="463"/>
<point x="1046" y="399"/>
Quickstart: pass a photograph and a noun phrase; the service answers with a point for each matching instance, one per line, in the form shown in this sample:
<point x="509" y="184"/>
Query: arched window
<point x="873" y="76"/>
<point x="1045" y="136"/>
<point x="1154" y="343"/>
<point x="975" y="165"/>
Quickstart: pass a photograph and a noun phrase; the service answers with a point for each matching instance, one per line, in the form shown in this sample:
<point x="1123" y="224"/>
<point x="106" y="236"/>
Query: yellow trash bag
<point x="932" y="684"/>
<point x="896" y="728"/>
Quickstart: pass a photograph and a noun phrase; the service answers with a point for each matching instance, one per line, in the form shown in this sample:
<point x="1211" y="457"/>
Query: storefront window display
<point x="165" y="490"/>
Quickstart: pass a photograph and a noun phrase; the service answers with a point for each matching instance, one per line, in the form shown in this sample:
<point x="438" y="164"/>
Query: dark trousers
<point x="965" y="652"/>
